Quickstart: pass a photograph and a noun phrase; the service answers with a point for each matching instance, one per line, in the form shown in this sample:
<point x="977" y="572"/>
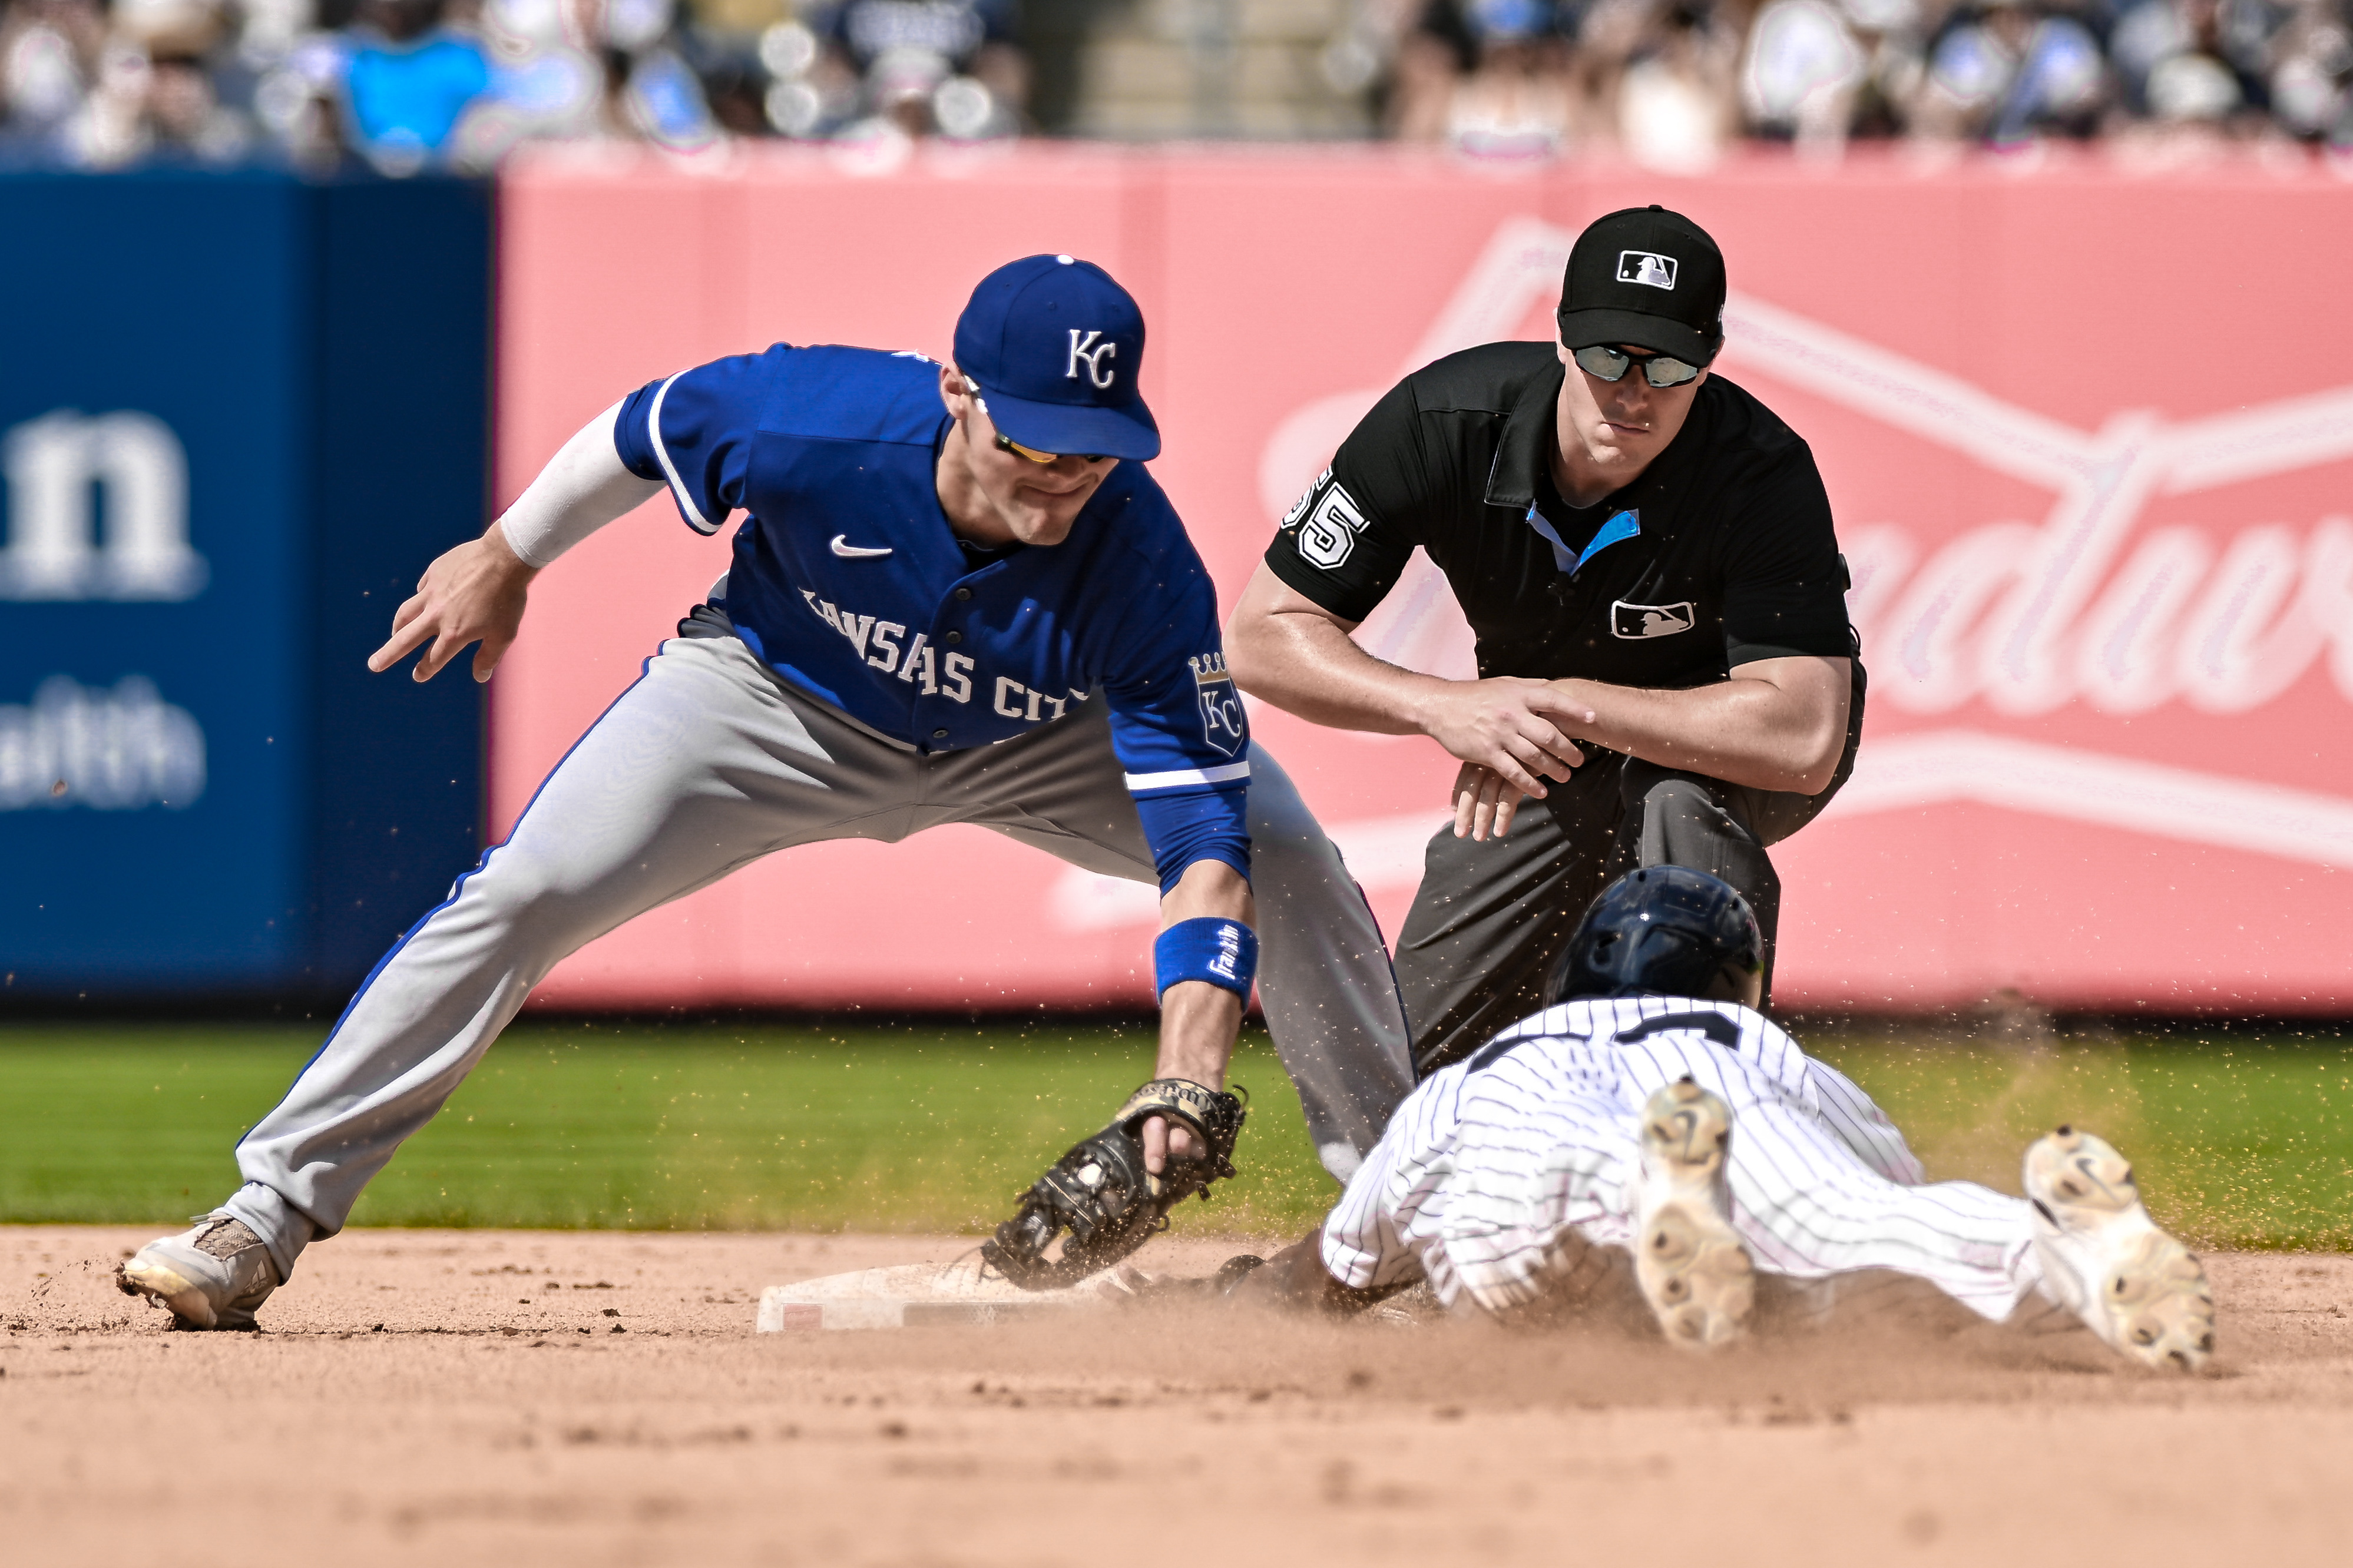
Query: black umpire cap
<point x="1647" y="277"/>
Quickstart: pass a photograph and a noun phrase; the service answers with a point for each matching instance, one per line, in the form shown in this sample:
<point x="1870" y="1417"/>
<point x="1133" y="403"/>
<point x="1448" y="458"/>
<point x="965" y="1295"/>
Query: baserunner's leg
<point x="700" y="766"/>
<point x="1807" y="1207"/>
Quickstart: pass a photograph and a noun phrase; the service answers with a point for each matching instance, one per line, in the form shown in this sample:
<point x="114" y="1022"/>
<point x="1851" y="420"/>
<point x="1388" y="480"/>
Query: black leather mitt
<point x="1099" y="1199"/>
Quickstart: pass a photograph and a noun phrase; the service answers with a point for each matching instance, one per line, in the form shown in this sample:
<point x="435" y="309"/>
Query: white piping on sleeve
<point x="1177" y="776"/>
<point x="694" y="518"/>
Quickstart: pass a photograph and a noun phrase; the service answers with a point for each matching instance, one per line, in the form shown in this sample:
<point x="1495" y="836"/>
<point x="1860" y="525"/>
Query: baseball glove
<point x="1099" y="1193"/>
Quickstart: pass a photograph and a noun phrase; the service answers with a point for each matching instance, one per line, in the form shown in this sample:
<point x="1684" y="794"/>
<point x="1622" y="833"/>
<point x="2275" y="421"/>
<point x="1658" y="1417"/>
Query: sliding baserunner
<point x="957" y="596"/>
<point x="1651" y="1110"/>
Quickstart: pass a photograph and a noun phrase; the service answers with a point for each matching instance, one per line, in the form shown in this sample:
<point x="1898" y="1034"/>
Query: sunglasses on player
<point x="1008" y="444"/>
<point x="1603" y="363"/>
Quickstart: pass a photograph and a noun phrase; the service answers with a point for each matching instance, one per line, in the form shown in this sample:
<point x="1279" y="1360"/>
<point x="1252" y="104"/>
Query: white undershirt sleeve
<point x="582" y="488"/>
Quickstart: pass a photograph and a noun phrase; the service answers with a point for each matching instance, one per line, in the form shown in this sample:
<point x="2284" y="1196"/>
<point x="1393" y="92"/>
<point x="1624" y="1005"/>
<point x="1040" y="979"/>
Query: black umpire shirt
<point x="1721" y="552"/>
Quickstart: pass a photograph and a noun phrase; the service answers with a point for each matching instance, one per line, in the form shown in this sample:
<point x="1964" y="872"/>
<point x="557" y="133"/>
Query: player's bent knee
<point x="1674" y="793"/>
<point x="1279" y="842"/>
<point x="530" y="899"/>
<point x="1670" y="803"/>
<point x="1281" y="829"/>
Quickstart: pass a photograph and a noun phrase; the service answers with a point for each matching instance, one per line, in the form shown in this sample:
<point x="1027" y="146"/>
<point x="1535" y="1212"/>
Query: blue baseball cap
<point x="1055" y="347"/>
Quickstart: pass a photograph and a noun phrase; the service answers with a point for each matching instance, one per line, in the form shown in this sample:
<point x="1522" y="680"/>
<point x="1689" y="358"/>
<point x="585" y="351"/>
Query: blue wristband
<point x="1222" y="951"/>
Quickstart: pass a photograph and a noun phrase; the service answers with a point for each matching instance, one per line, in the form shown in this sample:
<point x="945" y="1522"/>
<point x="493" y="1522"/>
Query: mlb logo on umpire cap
<point x="1646" y="278"/>
<point x="1056" y="348"/>
<point x="1647" y="268"/>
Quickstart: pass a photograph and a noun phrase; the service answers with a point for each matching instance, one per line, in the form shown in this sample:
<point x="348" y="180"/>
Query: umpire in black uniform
<point x="1646" y="554"/>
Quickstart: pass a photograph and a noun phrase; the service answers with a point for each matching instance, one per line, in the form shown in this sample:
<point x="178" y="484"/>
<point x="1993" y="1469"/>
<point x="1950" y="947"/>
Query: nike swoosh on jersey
<point x="849" y="552"/>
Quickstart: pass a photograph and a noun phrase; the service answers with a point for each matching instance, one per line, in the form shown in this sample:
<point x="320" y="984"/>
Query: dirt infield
<point x="597" y="1398"/>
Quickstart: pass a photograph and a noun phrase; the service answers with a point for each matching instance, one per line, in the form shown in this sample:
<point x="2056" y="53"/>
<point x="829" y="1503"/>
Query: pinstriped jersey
<point x="1489" y="1162"/>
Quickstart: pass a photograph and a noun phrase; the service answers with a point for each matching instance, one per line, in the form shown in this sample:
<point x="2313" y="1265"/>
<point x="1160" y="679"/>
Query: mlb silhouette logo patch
<point x="1647" y="268"/>
<point x="1635" y="622"/>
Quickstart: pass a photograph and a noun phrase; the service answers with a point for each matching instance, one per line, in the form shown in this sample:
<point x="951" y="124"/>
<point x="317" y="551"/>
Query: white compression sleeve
<point x="582" y="488"/>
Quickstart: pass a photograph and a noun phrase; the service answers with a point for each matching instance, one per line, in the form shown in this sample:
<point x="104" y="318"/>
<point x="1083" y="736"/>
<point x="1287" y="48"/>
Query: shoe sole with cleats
<point x="1688" y="1259"/>
<point x="2144" y="1291"/>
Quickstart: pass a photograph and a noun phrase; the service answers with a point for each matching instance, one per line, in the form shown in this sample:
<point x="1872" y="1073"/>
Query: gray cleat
<point x="212" y="1277"/>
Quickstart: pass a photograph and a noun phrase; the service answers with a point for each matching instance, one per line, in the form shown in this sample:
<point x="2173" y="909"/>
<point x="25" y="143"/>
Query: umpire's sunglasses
<point x="1603" y="363"/>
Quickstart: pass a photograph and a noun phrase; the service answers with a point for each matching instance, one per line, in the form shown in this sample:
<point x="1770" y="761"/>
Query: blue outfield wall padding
<point x="239" y="414"/>
<point x="404" y="433"/>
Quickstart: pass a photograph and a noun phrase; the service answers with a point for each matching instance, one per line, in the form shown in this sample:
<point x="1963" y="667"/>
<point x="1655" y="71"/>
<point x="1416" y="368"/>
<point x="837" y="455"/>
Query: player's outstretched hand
<point x="475" y="593"/>
<point x="1516" y="729"/>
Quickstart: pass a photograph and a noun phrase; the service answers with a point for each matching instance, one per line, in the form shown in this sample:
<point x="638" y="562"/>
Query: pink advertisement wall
<point x="2088" y="432"/>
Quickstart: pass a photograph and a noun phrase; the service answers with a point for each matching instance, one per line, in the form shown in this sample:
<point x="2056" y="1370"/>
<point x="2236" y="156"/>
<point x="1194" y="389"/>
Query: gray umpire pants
<point x="1491" y="918"/>
<point x="706" y="764"/>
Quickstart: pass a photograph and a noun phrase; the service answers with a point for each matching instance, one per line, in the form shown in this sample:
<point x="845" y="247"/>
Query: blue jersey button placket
<point x="951" y="642"/>
<point x="946" y="639"/>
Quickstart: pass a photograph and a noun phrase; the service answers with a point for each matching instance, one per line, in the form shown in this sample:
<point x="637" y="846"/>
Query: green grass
<point x="647" y="1126"/>
<point x="2241" y="1141"/>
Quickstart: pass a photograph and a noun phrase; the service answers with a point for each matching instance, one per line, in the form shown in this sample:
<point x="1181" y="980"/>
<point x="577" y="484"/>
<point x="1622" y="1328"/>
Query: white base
<point x="965" y="1293"/>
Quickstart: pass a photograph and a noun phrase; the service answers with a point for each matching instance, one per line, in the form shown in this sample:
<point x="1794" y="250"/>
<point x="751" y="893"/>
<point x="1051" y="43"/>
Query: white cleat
<point x="212" y="1277"/>
<point x="2138" y="1289"/>
<point x="1689" y="1260"/>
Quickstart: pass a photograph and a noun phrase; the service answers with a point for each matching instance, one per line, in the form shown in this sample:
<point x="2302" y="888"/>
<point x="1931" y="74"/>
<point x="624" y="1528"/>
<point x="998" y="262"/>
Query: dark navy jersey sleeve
<point x="1176" y="723"/>
<point x="694" y="432"/>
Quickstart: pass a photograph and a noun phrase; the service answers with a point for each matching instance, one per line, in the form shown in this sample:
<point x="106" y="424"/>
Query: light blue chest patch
<point x="1623" y="525"/>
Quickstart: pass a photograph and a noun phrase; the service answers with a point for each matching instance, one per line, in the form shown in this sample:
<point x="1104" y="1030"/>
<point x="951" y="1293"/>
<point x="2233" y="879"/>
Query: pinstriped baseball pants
<point x="708" y="764"/>
<point x="1534" y="1183"/>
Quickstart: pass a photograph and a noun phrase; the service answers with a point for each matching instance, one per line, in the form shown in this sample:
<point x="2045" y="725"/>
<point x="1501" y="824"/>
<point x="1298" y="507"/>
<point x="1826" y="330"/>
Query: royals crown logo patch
<point x="1222" y="724"/>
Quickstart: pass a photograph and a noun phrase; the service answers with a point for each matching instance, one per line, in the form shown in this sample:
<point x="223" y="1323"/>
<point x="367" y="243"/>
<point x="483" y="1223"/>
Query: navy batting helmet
<point x="1664" y="931"/>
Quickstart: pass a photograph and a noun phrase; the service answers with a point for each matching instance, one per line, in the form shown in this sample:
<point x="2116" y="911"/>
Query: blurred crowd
<point x="1672" y="81"/>
<point x="404" y="85"/>
<point x="408" y="84"/>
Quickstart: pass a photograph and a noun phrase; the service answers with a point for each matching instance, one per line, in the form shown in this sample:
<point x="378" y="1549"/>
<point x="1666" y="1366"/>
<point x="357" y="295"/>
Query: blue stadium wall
<point x="239" y="414"/>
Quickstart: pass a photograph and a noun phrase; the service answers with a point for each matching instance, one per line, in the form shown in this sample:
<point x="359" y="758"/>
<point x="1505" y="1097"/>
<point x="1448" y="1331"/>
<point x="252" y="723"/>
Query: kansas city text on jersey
<point x="908" y="632"/>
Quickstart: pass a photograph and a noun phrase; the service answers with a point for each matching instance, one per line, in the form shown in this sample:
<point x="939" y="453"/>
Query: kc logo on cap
<point x="1647" y="266"/>
<point x="1093" y="353"/>
<point x="1055" y="347"/>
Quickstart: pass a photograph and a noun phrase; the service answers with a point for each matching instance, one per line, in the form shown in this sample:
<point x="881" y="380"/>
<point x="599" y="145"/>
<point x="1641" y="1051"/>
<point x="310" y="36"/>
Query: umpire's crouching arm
<point x="1774" y="724"/>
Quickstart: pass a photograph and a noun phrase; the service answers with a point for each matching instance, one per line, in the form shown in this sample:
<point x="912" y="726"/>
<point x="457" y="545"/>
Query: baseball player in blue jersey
<point x="956" y="597"/>
<point x="1651" y="1115"/>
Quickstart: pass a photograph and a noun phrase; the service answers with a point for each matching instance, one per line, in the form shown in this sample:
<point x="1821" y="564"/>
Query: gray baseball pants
<point x="706" y="764"/>
<point x="1491" y="918"/>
